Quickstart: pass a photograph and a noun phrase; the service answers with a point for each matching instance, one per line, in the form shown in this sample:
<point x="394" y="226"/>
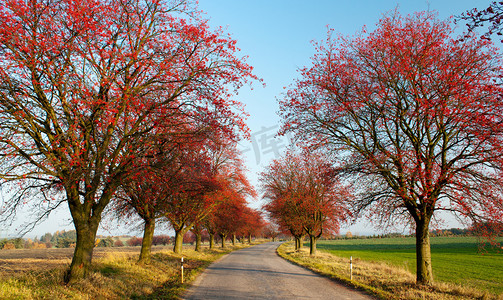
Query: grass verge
<point x="455" y="259"/>
<point x="115" y="276"/>
<point x="380" y="279"/>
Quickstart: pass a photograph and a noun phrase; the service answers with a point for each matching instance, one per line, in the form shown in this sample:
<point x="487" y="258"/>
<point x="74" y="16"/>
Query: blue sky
<point x="277" y="35"/>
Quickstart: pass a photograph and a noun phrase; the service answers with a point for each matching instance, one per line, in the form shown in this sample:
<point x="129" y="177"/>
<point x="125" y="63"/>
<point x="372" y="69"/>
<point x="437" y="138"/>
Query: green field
<point x="455" y="259"/>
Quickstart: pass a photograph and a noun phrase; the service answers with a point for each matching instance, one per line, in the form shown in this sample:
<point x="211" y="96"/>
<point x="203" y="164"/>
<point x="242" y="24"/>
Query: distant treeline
<point x="67" y="239"/>
<point x="477" y="230"/>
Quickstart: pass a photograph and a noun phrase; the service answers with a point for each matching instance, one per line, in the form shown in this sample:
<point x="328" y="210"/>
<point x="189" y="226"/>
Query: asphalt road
<point x="259" y="273"/>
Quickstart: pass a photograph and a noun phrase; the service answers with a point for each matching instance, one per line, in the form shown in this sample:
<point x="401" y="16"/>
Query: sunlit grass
<point x="454" y="259"/>
<point x="392" y="279"/>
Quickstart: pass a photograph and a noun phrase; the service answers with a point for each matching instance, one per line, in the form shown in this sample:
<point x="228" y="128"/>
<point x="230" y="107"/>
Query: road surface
<point x="259" y="273"/>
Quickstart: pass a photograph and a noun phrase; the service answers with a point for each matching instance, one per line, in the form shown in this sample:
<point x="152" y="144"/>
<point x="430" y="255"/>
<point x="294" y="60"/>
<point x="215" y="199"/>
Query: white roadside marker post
<point x="182" y="269"/>
<point x="351" y="267"/>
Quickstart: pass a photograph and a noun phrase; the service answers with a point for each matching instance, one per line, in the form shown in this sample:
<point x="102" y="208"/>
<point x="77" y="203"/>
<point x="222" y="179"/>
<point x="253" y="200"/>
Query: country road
<point x="259" y="273"/>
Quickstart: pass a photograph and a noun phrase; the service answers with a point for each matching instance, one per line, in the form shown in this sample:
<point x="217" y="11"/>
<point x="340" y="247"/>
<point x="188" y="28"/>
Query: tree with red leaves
<point x="210" y="225"/>
<point x="83" y="82"/>
<point x="415" y="116"/>
<point x="270" y="231"/>
<point x="226" y="171"/>
<point x="188" y="202"/>
<point x="197" y="229"/>
<point x="252" y="224"/>
<point x="229" y="214"/>
<point x="491" y="16"/>
<point x="287" y="222"/>
<point x="148" y="193"/>
<point x="231" y="197"/>
<point x="304" y="195"/>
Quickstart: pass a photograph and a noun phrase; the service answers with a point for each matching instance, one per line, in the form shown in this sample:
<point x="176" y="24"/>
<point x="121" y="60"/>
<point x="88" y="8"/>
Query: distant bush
<point x="160" y="240"/>
<point x="61" y="239"/>
<point x="134" y="241"/>
<point x="29" y="244"/>
<point x="8" y="246"/>
<point x="106" y="242"/>
<point x="39" y="245"/>
<point x="64" y="242"/>
<point x="118" y="243"/>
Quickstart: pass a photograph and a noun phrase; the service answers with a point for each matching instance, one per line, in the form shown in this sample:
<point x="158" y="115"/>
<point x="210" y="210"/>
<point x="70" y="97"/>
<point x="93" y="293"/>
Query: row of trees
<point x="116" y="101"/>
<point x="305" y="196"/>
<point x="410" y="116"/>
<point x="193" y="186"/>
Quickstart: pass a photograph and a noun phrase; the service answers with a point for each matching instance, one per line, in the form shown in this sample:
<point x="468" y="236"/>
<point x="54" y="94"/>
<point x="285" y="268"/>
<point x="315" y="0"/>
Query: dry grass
<point x="380" y="279"/>
<point x="22" y="260"/>
<point x="115" y="274"/>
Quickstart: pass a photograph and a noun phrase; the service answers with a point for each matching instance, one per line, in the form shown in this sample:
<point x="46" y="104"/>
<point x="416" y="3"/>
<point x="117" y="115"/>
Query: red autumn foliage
<point x="171" y="183"/>
<point x="189" y="238"/>
<point x="118" y="243"/>
<point x="270" y="231"/>
<point x="134" y="241"/>
<point x="304" y="195"/>
<point x="161" y="240"/>
<point x="414" y="114"/>
<point x="232" y="194"/>
<point x="228" y="215"/>
<point x="251" y="224"/>
<point x="201" y="186"/>
<point x="491" y="16"/>
<point x="83" y="82"/>
<point x="187" y="199"/>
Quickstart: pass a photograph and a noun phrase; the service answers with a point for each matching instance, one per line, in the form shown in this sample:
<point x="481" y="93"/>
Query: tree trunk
<point x="223" y="239"/>
<point x="233" y="240"/>
<point x="86" y="218"/>
<point x="312" y="247"/>
<point x="212" y="240"/>
<point x="249" y="239"/>
<point x="299" y="242"/>
<point x="198" y="242"/>
<point x="177" y="248"/>
<point x="424" y="273"/>
<point x="146" y="244"/>
<point x="83" y="253"/>
<point x="86" y="222"/>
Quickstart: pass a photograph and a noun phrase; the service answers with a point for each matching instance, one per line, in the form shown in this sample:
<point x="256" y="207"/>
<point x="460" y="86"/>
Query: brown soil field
<point x="22" y="260"/>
